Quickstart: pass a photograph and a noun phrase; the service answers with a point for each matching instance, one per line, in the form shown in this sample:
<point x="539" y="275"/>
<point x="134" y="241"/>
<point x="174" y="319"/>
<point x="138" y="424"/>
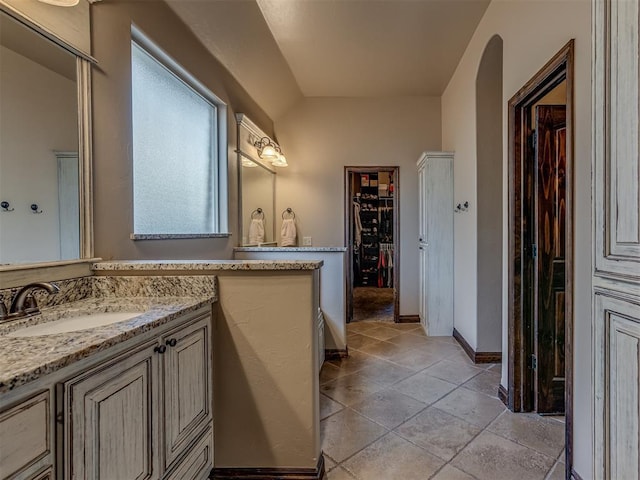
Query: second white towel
<point x="288" y="233"/>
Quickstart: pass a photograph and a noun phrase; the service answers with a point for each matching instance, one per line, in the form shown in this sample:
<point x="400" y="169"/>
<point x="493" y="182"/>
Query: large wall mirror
<point x="257" y="188"/>
<point x="44" y="148"/>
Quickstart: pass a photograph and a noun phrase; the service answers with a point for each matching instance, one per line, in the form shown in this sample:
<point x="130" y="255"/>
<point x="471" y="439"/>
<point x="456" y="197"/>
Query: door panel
<point x="616" y="279"/>
<point x="550" y="213"/>
<point x="617" y="142"/>
<point x="99" y="447"/>
<point x="187" y="386"/>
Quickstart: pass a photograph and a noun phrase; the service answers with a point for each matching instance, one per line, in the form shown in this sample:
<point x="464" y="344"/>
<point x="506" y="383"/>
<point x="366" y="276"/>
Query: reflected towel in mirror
<point x="256" y="231"/>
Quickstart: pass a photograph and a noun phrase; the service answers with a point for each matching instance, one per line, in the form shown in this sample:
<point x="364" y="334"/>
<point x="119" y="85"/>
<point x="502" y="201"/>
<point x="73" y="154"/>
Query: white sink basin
<point x="74" y="324"/>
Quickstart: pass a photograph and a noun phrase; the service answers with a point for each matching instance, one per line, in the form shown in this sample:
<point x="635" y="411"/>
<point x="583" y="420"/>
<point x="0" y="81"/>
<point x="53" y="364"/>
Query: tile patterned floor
<point x="405" y="406"/>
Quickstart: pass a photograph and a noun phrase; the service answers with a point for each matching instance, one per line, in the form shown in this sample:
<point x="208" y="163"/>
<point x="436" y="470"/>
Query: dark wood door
<point x="549" y="271"/>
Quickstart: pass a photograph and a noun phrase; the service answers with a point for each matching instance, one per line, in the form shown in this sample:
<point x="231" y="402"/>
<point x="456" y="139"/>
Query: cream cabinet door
<point x="616" y="276"/>
<point x="111" y="419"/>
<point x="186" y="383"/>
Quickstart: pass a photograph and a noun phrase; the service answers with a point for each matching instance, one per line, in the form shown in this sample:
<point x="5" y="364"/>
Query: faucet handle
<point x="30" y="303"/>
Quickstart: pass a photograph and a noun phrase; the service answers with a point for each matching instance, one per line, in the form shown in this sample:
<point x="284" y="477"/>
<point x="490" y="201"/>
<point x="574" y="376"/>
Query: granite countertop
<point x="290" y="249"/>
<point x="25" y="359"/>
<point x="212" y="265"/>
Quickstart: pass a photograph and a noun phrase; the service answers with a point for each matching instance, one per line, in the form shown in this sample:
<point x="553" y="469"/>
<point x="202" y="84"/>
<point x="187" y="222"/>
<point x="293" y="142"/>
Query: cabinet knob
<point x="172" y="342"/>
<point x="160" y="349"/>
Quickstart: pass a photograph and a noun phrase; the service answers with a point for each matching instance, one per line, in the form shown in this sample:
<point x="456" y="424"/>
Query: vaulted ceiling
<point x="281" y="50"/>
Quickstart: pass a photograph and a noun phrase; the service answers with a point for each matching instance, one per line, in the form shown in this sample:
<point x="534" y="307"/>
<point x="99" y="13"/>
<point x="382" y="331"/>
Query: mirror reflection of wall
<point x="38" y="147"/>
<point x="258" y="190"/>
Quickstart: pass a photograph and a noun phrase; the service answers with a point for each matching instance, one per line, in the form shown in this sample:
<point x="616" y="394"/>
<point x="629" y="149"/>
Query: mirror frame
<point x="84" y="64"/>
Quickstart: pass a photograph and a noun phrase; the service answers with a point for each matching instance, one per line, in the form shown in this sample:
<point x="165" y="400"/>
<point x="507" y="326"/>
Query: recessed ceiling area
<point x="364" y="48"/>
<point x="281" y="50"/>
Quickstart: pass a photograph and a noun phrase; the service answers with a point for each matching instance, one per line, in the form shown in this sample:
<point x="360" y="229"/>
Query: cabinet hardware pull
<point x="172" y="342"/>
<point x="160" y="349"/>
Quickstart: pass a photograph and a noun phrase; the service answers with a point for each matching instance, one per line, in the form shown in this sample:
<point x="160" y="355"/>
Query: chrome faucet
<point x="24" y="303"/>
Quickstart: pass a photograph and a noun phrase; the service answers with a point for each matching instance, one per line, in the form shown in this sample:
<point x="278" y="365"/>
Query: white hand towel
<point x="256" y="231"/>
<point x="288" y="233"/>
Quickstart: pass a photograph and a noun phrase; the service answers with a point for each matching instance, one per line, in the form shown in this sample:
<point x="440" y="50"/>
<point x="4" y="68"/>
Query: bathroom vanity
<point x="128" y="399"/>
<point x="138" y="398"/>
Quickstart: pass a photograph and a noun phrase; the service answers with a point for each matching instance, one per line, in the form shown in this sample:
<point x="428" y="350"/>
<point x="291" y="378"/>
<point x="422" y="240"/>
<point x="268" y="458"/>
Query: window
<point x="179" y="149"/>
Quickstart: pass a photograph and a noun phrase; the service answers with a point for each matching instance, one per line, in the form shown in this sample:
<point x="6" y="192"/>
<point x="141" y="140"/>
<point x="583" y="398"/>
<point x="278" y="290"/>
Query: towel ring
<point x="289" y="212"/>
<point x="257" y="213"/>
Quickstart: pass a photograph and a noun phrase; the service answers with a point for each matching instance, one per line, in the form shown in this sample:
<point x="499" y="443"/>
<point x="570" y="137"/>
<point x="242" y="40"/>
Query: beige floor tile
<point x="446" y="339"/>
<point x="408" y="340"/>
<point x="418" y="331"/>
<point x="438" y="432"/>
<point x="462" y="357"/>
<point x="328" y="406"/>
<point x="350" y="389"/>
<point x="357" y="341"/>
<point x="561" y="457"/>
<point x="388" y="408"/>
<point x="360" y="327"/>
<point x="386" y="373"/>
<point x="330" y="372"/>
<point x="486" y="382"/>
<point x="406" y="327"/>
<point x="416" y="359"/>
<point x="382" y="333"/>
<point x="557" y="472"/>
<point x="346" y="433"/>
<point x="441" y="349"/>
<point x="489" y="457"/>
<point x="382" y="349"/>
<point x="339" y="473"/>
<point x="452" y="473"/>
<point x="329" y="463"/>
<point x="453" y="372"/>
<point x="424" y="388"/>
<point x="531" y="430"/>
<point x="392" y="457"/>
<point x="474" y="407"/>
<point x="354" y="362"/>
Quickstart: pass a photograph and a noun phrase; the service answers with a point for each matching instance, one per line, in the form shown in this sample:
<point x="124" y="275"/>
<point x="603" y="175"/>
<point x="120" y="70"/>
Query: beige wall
<point x="320" y="136"/>
<point x="112" y="151"/>
<point x="39" y="113"/>
<point x="532" y="31"/>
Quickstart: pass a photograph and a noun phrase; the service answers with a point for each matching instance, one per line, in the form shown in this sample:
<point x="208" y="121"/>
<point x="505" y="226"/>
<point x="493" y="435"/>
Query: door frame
<point x="559" y="68"/>
<point x="348" y="235"/>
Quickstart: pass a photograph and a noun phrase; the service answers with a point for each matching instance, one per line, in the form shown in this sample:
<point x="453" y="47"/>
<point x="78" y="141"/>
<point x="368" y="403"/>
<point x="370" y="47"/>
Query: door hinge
<point x="534" y="250"/>
<point x="533" y="362"/>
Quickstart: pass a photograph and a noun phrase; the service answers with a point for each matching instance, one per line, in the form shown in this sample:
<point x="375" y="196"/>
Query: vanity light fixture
<point x="269" y="150"/>
<point x="61" y="3"/>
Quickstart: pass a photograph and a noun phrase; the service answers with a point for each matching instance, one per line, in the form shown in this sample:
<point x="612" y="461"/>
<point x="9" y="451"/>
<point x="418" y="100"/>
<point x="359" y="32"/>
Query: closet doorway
<point x="372" y="240"/>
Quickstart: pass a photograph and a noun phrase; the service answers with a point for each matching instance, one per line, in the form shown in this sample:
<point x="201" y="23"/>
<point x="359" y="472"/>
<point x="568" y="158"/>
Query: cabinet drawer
<point x="197" y="464"/>
<point x="24" y="435"/>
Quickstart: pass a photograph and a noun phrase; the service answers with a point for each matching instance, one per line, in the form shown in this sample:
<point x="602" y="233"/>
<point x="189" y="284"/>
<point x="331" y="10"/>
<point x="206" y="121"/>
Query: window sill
<point x="175" y="236"/>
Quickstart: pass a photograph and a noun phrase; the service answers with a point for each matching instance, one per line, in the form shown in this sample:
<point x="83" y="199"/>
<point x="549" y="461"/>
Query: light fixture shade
<point x="248" y="163"/>
<point x="281" y="161"/>
<point x="61" y="3"/>
<point x="269" y="152"/>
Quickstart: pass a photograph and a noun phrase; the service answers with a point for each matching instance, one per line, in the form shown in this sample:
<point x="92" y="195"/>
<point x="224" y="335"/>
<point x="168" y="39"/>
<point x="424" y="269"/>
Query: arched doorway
<point x="489" y="208"/>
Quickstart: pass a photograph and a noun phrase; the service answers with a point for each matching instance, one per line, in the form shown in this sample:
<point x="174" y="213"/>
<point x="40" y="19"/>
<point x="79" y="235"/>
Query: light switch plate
<point x="306" y="241"/>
